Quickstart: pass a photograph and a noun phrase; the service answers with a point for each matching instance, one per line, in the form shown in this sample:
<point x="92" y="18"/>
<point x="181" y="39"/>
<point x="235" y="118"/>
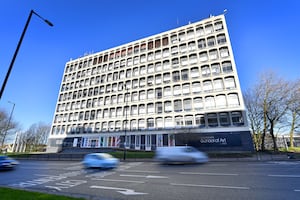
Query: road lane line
<point x="138" y="171"/>
<point x="211" y="186"/>
<point x="117" y="180"/>
<point x="296" y="190"/>
<point x="284" y="175"/>
<point x="142" y="176"/>
<point x="210" y="174"/>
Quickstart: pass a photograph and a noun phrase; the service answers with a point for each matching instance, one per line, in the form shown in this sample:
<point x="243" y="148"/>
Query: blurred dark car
<point x="7" y="163"/>
<point x="100" y="160"/>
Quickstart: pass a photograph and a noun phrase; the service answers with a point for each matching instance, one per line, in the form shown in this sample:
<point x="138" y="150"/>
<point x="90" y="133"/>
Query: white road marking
<point x="138" y="171"/>
<point x="117" y="180"/>
<point x="284" y="175"/>
<point x="124" y="191"/>
<point x="296" y="190"/>
<point x="210" y="174"/>
<point x="211" y="186"/>
<point x="142" y="176"/>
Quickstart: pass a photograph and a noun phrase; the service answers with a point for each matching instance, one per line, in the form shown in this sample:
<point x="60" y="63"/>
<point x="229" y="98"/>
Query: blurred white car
<point x="182" y="154"/>
<point x="7" y="162"/>
<point x="100" y="160"/>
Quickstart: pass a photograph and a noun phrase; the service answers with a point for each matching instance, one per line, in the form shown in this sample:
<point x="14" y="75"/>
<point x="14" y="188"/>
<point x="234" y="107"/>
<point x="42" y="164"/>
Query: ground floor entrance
<point x="149" y="141"/>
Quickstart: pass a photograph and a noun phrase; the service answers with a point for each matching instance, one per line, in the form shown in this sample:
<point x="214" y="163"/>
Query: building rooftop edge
<point x="145" y="38"/>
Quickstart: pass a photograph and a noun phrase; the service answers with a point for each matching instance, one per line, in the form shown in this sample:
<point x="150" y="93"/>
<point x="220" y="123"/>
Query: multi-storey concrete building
<point x="178" y="87"/>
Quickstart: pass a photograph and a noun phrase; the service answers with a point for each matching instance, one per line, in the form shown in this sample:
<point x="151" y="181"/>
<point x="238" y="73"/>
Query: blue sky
<point x="264" y="35"/>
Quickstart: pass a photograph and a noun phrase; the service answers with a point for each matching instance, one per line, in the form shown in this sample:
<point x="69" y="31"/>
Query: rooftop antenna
<point x="224" y="11"/>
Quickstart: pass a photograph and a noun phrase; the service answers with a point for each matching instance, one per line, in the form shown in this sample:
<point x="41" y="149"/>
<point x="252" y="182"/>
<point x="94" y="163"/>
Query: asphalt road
<point x="150" y="180"/>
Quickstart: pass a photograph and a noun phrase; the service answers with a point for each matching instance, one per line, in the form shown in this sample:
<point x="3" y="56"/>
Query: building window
<point x="188" y="120"/>
<point x="176" y="90"/>
<point x="207" y="86"/>
<point x="200" y="31"/>
<point x="200" y="120"/>
<point x="229" y="83"/>
<point x="142" y="95"/>
<point x="159" y="122"/>
<point x="174" y="50"/>
<point x="159" y="108"/>
<point x="157" y="43"/>
<point x="182" y="36"/>
<point x="218" y="84"/>
<point x="195" y="72"/>
<point x="167" y="91"/>
<point x="166" y="53"/>
<point x="150" y="108"/>
<point x="233" y="100"/>
<point x="168" y="106"/>
<point x="186" y="89"/>
<point x="158" y="93"/>
<point x="211" y="41"/>
<point x="203" y="56"/>
<point x="168" y="122"/>
<point x="212" y="119"/>
<point x="177" y="106"/>
<point x="221" y="101"/>
<point x="224" y="52"/>
<point x="224" y="119"/>
<point x="158" y="79"/>
<point x="176" y="76"/>
<point x="187" y="104"/>
<point x="196" y="87"/>
<point x="213" y="54"/>
<point x="185" y="74"/>
<point x="150" y="94"/>
<point x="166" y="77"/>
<point x="209" y="29"/>
<point x="221" y="39"/>
<point x="237" y="118"/>
<point x="218" y="26"/>
<point x="174" y="39"/>
<point x="150" y="123"/>
<point x="226" y="67"/>
<point x="198" y="103"/>
<point x="142" y="109"/>
<point x="166" y="65"/>
<point x="151" y="68"/>
<point x="158" y="67"/>
<point x="179" y="121"/>
<point x="210" y="102"/>
<point x="190" y="34"/>
<point x="134" y="110"/>
<point x="142" y="124"/>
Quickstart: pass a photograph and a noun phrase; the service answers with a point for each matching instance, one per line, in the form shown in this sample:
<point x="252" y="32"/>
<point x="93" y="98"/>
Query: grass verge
<point x="16" y="194"/>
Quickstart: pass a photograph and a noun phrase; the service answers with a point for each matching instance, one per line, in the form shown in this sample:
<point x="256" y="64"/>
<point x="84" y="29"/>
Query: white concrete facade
<point x="150" y="89"/>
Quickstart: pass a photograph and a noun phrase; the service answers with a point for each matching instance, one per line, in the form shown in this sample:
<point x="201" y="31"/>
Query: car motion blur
<point x="7" y="163"/>
<point x="100" y="160"/>
<point x="180" y="154"/>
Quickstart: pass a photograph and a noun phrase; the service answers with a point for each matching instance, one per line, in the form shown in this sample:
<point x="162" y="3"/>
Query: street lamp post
<point x="18" y="47"/>
<point x="125" y="130"/>
<point x="8" y="123"/>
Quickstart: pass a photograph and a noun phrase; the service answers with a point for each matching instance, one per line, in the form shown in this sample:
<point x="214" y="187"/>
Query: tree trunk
<point x="292" y="130"/>
<point x="273" y="137"/>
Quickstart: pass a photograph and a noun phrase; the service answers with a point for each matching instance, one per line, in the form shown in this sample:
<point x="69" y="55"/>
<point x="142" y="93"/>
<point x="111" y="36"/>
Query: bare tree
<point x="267" y="104"/>
<point x="36" y="137"/>
<point x="6" y="125"/>
<point x="255" y="116"/>
<point x="294" y="110"/>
